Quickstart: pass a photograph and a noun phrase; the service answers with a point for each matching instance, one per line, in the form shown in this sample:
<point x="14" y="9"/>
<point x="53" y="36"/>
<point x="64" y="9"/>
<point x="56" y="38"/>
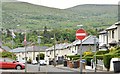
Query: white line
<point x="81" y="34"/>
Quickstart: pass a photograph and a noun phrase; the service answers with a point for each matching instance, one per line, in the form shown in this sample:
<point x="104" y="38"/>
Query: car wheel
<point x="18" y="67"/>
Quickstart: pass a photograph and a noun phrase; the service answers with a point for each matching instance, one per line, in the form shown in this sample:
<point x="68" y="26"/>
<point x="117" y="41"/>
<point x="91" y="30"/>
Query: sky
<point x="63" y="4"/>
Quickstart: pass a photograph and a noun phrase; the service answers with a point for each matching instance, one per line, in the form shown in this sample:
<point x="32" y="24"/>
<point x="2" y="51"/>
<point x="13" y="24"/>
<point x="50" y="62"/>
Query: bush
<point x="88" y="60"/>
<point x="101" y="52"/>
<point x="76" y="58"/>
<point x="29" y="61"/>
<point x="72" y="57"/>
<point x="41" y="55"/>
<point x="8" y="55"/>
<point x="88" y="53"/>
<point x="99" y="57"/>
<point x="106" y="59"/>
<point x="88" y="56"/>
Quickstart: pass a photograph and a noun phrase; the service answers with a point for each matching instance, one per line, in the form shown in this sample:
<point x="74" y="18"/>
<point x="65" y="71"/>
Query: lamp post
<point x="25" y="43"/>
<point x="80" y="52"/>
<point x="54" y="50"/>
<point x="39" y="41"/>
<point x="95" y="51"/>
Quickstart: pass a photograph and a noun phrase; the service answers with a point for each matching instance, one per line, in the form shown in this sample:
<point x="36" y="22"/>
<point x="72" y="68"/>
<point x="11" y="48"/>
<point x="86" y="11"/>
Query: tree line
<point x="47" y="36"/>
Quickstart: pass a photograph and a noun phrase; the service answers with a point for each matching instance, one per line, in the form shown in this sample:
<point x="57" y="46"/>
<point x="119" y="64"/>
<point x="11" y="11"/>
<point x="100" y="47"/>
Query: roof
<point x="117" y="23"/>
<point x="6" y="48"/>
<point x="103" y="32"/>
<point x="20" y="49"/>
<point x="30" y="49"/>
<point x="88" y="40"/>
<point x="59" y="46"/>
<point x="112" y="27"/>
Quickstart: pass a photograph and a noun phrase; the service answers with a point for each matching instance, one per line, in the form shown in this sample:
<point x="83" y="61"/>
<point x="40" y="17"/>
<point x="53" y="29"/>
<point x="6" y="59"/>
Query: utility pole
<point x="25" y="43"/>
<point x="54" y="51"/>
<point x="95" y="51"/>
<point x="81" y="57"/>
<point x="39" y="41"/>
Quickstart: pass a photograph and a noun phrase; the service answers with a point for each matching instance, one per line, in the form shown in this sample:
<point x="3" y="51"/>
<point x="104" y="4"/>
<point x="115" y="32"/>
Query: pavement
<point x="87" y="69"/>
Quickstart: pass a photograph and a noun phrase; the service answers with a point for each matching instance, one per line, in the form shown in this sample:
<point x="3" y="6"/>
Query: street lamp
<point x="95" y="51"/>
<point x="54" y="50"/>
<point x="25" y="43"/>
<point x="39" y="41"/>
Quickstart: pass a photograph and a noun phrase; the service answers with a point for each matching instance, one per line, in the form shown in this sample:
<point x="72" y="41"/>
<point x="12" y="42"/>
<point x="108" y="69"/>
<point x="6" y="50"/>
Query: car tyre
<point x="18" y="67"/>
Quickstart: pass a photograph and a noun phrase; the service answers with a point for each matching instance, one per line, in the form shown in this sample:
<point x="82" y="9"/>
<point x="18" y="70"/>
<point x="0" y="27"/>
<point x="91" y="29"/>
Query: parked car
<point x="10" y="64"/>
<point x="42" y="62"/>
<point x="34" y="62"/>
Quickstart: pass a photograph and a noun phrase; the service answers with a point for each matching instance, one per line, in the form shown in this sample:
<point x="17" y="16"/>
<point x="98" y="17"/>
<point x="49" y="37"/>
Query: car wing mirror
<point x="14" y="61"/>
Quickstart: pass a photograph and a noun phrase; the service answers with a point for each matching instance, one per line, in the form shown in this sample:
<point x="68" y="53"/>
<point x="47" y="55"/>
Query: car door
<point x="3" y="64"/>
<point x="10" y="65"/>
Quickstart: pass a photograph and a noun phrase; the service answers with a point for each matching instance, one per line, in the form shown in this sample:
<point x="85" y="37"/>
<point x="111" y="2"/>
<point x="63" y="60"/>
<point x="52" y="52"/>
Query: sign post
<point x="25" y="43"/>
<point x="80" y="35"/>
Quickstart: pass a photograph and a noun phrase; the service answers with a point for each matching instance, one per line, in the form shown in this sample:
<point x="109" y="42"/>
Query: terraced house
<point x="64" y="49"/>
<point x="110" y="36"/>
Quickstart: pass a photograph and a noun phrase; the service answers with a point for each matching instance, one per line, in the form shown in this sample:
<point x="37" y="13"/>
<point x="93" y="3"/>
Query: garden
<point x="105" y="55"/>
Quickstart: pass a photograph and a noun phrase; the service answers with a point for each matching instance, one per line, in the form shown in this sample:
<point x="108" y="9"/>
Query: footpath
<point x="87" y="69"/>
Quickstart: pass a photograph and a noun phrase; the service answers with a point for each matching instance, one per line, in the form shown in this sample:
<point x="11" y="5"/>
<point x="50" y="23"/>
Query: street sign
<point x="81" y="34"/>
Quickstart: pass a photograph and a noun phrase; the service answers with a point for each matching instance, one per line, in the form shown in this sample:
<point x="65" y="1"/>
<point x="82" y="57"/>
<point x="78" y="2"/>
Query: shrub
<point x="88" y="53"/>
<point x="76" y="58"/>
<point x="101" y="52"/>
<point x="8" y="55"/>
<point x="41" y="55"/>
<point x="29" y="61"/>
<point x="88" y="60"/>
<point x="99" y="57"/>
<point x="72" y="57"/>
<point x="106" y="59"/>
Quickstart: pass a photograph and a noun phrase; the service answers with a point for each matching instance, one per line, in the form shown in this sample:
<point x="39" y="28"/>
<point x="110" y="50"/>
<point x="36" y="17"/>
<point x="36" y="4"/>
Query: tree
<point x="41" y="55"/>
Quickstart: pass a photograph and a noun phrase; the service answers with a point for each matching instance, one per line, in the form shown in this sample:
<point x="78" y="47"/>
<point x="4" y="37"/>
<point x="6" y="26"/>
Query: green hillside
<point x="35" y="17"/>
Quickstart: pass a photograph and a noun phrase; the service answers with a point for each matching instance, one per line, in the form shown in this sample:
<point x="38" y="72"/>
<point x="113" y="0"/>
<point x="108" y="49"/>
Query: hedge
<point x="99" y="56"/>
<point x="73" y="57"/>
<point x="88" y="60"/>
<point x="8" y="55"/>
<point x="101" y="52"/>
<point x="106" y="59"/>
<point x="76" y="58"/>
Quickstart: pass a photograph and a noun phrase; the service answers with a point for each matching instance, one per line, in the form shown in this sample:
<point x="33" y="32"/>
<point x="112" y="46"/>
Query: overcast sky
<point x="62" y="4"/>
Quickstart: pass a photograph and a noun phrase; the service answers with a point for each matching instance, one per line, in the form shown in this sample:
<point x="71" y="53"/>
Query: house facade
<point x="64" y="49"/>
<point x="111" y="35"/>
<point x="88" y="44"/>
<point x="31" y="53"/>
<point x="103" y="40"/>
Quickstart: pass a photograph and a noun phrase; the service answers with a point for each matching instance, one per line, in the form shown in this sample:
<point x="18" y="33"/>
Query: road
<point x="34" y="68"/>
<point x="47" y="68"/>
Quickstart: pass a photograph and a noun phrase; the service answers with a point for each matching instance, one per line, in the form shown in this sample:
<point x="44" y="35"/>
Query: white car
<point x="43" y="62"/>
<point x="34" y="62"/>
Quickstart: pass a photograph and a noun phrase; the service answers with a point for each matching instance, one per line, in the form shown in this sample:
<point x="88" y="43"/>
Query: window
<point x="22" y="58"/>
<point x="112" y="33"/>
<point x="50" y="52"/>
<point x="109" y="33"/>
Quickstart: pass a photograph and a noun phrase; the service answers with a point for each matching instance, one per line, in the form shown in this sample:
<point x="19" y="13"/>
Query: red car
<point x="11" y="65"/>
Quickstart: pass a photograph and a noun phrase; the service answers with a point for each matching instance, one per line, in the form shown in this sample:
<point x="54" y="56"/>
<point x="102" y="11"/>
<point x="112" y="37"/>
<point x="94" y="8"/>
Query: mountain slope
<point x="35" y="17"/>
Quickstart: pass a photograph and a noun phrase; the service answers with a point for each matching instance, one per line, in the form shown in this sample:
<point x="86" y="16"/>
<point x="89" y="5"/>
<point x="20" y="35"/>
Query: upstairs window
<point x="112" y="33"/>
